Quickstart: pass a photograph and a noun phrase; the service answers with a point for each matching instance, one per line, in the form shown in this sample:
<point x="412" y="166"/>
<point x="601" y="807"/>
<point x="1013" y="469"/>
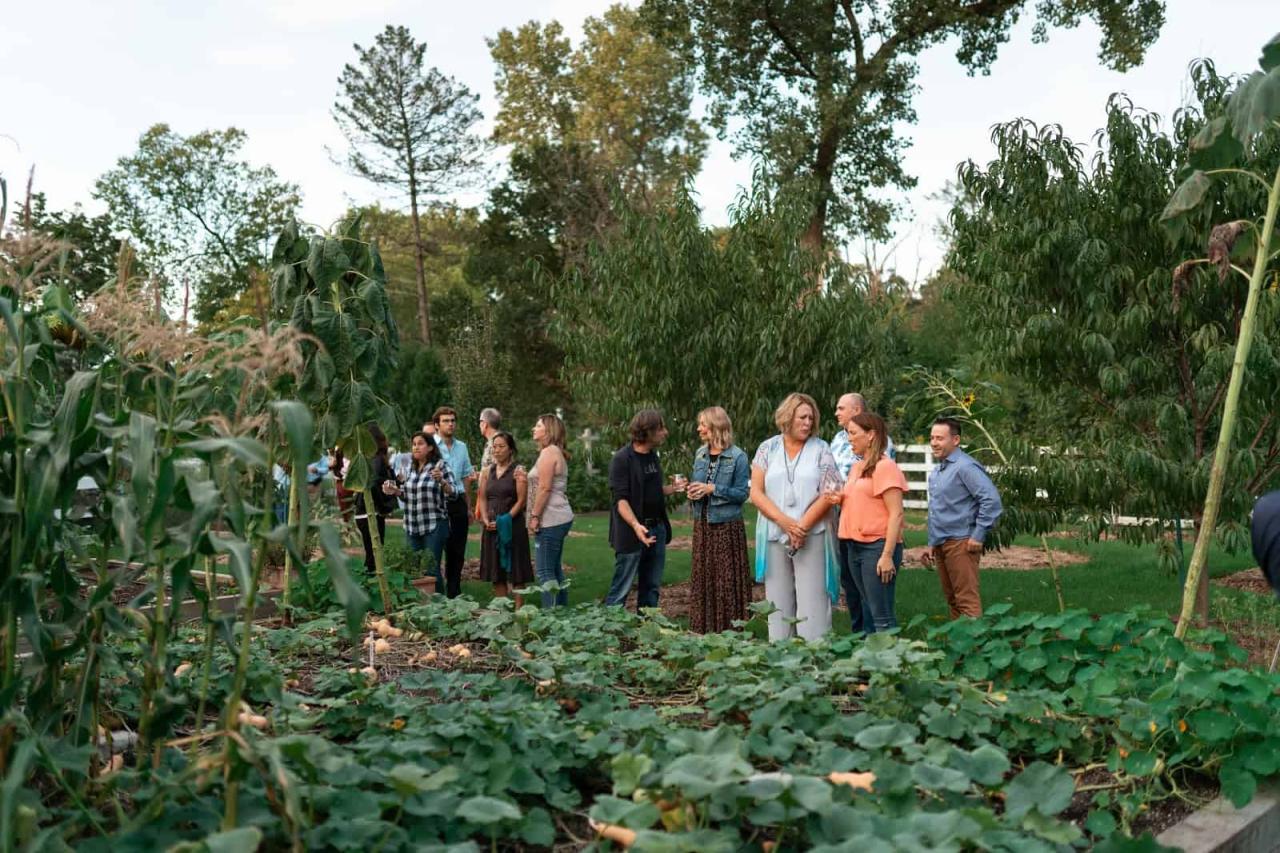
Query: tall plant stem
<point x="210" y="592"/>
<point x="376" y="538"/>
<point x="288" y="555"/>
<point x="1218" y="475"/>
<point x="231" y="713"/>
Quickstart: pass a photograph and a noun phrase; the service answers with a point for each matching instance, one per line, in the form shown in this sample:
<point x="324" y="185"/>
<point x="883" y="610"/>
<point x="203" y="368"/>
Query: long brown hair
<point x="874" y="424"/>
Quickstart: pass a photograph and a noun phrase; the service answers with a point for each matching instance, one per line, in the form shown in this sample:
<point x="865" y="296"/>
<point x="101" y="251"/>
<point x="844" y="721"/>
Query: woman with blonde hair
<point x="721" y="481"/>
<point x="795" y="544"/>
<point x="550" y="516"/>
<point x="871" y="519"/>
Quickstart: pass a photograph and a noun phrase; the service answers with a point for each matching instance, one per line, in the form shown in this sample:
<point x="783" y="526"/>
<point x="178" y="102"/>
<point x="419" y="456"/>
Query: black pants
<point x="363" y="524"/>
<point x="455" y="548"/>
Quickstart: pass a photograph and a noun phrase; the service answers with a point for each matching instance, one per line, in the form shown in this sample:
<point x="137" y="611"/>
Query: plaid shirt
<point x="424" y="499"/>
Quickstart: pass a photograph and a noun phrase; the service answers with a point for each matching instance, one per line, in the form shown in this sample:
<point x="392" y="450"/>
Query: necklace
<point x="791" y="468"/>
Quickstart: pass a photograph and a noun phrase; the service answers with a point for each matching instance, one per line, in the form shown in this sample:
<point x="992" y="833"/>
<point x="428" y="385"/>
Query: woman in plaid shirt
<point x="422" y="492"/>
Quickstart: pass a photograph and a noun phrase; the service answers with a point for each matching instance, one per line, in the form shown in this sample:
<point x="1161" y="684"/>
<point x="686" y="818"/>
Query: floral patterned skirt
<point x="721" y="579"/>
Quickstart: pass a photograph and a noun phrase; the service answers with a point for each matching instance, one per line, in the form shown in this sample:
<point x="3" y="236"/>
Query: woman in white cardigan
<point x="794" y="558"/>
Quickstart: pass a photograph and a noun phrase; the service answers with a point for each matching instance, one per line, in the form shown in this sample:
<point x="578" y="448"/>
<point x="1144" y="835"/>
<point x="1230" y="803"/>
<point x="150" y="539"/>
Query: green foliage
<point x="1069" y="290"/>
<point x="332" y="287"/>
<point x="722" y="741"/>
<point x="667" y="313"/>
<point x="822" y="87"/>
<point x="418" y="385"/>
<point x="198" y="212"/>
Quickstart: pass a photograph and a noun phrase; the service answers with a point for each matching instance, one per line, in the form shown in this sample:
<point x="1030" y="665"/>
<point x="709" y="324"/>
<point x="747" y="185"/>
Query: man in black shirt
<point x="639" y="529"/>
<point x="1266" y="537"/>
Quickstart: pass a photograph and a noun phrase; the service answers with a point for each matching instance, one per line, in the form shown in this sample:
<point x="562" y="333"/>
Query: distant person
<point x="502" y="498"/>
<point x="789" y="475"/>
<point x="454" y="451"/>
<point x="1265" y="531"/>
<point x="871" y="521"/>
<point x="550" y="516"/>
<point x="721" y="579"/>
<point x="490" y="425"/>
<point x="963" y="508"/>
<point x="639" y="529"/>
<point x="383" y="503"/>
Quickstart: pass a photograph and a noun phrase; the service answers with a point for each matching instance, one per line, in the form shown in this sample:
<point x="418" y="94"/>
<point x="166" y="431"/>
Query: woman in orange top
<point x="871" y="519"/>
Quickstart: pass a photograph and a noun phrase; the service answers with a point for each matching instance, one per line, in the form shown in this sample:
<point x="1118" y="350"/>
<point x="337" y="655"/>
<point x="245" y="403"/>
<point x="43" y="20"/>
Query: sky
<point x="83" y="80"/>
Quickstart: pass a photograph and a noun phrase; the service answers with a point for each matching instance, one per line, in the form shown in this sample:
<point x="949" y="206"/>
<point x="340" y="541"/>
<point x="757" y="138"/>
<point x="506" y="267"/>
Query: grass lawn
<point x="1115" y="577"/>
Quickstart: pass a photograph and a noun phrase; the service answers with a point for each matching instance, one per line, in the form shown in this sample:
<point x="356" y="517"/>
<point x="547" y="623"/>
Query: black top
<point x="637" y="479"/>
<point x="1266" y="537"/>
<point x="380" y="472"/>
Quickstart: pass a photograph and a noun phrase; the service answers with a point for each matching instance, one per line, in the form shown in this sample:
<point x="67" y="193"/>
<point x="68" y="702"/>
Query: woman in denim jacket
<point x="721" y="579"/>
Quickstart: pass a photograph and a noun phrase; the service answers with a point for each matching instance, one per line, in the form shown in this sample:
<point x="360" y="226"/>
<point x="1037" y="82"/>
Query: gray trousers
<point x="797" y="586"/>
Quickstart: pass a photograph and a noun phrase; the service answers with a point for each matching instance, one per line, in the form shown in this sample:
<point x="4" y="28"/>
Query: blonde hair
<point x="555" y="431"/>
<point x="719" y="424"/>
<point x="786" y="411"/>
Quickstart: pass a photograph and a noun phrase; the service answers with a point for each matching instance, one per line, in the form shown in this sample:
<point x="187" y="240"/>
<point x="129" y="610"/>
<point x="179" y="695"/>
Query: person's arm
<point x="447" y="485"/>
<point x="990" y="507"/>
<point x="482" y="511"/>
<point x="522" y="493"/>
<point x="762" y="502"/>
<point x="620" y="487"/>
<point x="739" y="485"/>
<point x="546" y="469"/>
<point x="893" y="502"/>
<point x="468" y="479"/>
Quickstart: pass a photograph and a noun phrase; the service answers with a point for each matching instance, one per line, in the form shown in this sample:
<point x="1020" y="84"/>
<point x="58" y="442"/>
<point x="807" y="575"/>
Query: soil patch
<point x="1013" y="558"/>
<point x="1250" y="580"/>
<point x="676" y="599"/>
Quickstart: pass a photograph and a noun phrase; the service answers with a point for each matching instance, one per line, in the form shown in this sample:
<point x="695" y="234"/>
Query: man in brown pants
<point x="963" y="507"/>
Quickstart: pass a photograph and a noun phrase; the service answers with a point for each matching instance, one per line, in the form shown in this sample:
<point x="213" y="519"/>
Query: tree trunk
<point x="424" y="302"/>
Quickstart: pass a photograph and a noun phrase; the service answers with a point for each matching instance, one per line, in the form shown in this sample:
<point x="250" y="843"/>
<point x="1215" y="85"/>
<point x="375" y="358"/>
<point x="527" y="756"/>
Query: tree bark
<point x="424" y="302"/>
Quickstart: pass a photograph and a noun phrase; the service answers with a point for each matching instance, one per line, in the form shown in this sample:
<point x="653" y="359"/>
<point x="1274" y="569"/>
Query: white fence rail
<point x="916" y="462"/>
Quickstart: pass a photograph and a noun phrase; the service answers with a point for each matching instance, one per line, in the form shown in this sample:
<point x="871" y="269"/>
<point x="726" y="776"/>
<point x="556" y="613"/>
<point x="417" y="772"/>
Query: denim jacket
<point x="733" y="483"/>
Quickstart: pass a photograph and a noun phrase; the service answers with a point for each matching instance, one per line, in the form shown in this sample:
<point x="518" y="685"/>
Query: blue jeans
<point x="859" y="618"/>
<point x="433" y="540"/>
<point x="647" y="563"/>
<point x="877" y="595"/>
<point x="548" y="547"/>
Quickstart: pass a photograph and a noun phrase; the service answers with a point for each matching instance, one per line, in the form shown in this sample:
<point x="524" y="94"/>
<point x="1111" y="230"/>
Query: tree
<point x="88" y="251"/>
<point x="671" y="314"/>
<point x="1069" y="289"/>
<point x="1222" y="147"/>
<point x="409" y="127"/>
<point x="820" y="85"/>
<point x="197" y="212"/>
<point x="612" y="115"/>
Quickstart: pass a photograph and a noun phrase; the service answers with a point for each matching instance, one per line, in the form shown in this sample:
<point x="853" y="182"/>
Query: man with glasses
<point x="459" y="505"/>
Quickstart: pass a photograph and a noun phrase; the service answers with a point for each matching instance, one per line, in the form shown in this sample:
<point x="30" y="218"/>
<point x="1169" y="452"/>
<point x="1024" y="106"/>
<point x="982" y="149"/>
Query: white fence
<point x="916" y="462"/>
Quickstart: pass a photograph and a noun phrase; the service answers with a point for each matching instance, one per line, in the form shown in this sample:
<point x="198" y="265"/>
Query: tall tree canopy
<point x="410" y="127"/>
<point x="821" y="84"/>
<point x="1071" y="287"/>
<point x="673" y="314"/>
<point x="198" y="213"/>
<point x="614" y="113"/>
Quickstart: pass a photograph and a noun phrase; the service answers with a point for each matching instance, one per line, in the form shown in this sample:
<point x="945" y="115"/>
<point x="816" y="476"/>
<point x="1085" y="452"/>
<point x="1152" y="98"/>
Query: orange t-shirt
<point x="864" y="516"/>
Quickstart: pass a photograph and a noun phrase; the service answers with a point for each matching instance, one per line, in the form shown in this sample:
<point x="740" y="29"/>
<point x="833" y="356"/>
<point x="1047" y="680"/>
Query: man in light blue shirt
<point x="963" y="507"/>
<point x="458" y="459"/>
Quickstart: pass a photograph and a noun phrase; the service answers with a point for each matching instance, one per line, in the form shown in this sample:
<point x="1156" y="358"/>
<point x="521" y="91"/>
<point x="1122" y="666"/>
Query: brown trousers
<point x="958" y="572"/>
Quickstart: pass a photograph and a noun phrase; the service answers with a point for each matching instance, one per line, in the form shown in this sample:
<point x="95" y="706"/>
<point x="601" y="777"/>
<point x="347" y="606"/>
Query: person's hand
<point x="797" y="541"/>
<point x="795" y="529"/>
<point x="490" y="525"/>
<point x="885" y="568"/>
<point x="436" y="473"/>
<point x="926" y="557"/>
<point x="389" y="488"/>
<point x="973" y="546"/>
<point x="698" y="491"/>
<point x="642" y="533"/>
<point x="535" y="524"/>
<point x="833" y="498"/>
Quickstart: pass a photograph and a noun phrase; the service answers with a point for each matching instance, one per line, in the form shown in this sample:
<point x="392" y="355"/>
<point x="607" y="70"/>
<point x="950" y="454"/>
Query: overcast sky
<point x="83" y="80"/>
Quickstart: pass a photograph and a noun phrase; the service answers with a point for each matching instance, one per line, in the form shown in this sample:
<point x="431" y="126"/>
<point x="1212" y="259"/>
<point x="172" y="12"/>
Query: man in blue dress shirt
<point x="458" y="459"/>
<point x="963" y="507"/>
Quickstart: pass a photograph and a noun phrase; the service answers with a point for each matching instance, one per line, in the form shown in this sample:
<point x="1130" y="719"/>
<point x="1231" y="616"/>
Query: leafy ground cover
<point x="514" y="729"/>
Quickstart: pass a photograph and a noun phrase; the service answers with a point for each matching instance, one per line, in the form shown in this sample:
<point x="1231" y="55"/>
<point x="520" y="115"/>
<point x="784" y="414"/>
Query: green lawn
<point x="1117" y="575"/>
